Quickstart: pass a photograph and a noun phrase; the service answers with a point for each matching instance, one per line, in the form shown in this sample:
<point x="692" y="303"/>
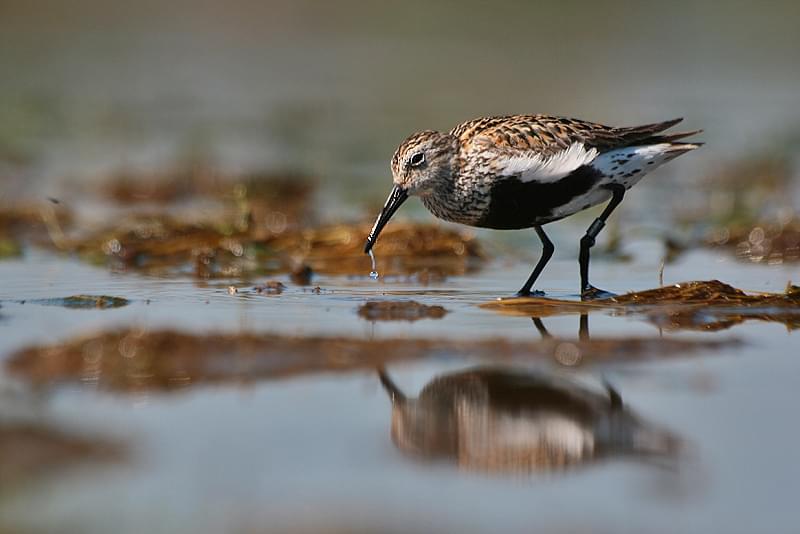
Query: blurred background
<point x="330" y="89"/>
<point x="160" y="160"/>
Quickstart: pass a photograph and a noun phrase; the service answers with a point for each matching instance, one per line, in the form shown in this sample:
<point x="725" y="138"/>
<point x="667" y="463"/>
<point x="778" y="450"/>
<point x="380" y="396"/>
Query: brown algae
<point x="83" y="302"/>
<point x="702" y="305"/>
<point x="399" y="310"/>
<point x="163" y="245"/>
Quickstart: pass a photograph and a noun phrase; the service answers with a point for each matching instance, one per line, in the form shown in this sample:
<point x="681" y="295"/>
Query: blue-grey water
<point x="314" y="452"/>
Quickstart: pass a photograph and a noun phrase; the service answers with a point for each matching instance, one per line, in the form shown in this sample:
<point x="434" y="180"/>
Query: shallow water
<point x="207" y="405"/>
<point x="313" y="451"/>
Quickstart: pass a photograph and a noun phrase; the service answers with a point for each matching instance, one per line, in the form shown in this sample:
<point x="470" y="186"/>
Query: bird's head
<point x="422" y="161"/>
<point x="421" y="164"/>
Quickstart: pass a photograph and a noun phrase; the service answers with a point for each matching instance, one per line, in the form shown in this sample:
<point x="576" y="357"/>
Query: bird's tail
<point x="650" y="134"/>
<point x="669" y="138"/>
<point x="676" y="149"/>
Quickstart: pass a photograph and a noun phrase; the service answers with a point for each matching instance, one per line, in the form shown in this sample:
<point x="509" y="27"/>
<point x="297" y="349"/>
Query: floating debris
<point x="703" y="305"/>
<point x="134" y="360"/>
<point x="271" y="287"/>
<point x="399" y="310"/>
<point x="83" y="302"/>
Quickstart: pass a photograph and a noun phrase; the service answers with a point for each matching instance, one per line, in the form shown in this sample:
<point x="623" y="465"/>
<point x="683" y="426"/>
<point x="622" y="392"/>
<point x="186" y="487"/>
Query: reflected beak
<point x="395" y="395"/>
<point x="396" y="198"/>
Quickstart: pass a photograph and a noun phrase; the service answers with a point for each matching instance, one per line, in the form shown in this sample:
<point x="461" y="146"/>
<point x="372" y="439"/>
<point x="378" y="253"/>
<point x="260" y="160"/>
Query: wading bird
<point x="524" y="171"/>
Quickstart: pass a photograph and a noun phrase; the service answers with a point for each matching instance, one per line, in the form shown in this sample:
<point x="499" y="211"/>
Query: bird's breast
<point x="514" y="204"/>
<point x="461" y="202"/>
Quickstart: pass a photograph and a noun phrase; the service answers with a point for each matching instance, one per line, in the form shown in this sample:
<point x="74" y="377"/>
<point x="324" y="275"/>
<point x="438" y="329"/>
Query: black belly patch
<point x="516" y="204"/>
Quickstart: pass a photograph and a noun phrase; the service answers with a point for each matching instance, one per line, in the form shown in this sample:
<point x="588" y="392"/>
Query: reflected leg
<point x="583" y="328"/>
<point x="541" y="328"/>
<point x="613" y="395"/>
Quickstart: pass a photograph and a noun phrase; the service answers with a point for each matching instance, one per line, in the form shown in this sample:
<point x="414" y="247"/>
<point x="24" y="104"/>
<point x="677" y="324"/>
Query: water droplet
<point x="374" y="273"/>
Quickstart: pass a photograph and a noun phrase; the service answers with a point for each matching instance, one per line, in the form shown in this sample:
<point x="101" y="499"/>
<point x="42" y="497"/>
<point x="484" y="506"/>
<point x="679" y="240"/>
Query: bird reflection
<point x="497" y="420"/>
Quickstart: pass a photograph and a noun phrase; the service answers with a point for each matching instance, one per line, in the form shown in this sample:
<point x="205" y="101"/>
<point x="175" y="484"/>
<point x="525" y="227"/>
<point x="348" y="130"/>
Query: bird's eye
<point x="417" y="159"/>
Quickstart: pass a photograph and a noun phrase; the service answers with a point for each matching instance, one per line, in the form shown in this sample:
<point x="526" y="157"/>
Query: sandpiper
<point x="524" y="171"/>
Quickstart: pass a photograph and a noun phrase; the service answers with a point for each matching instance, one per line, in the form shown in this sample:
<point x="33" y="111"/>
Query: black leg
<point x="547" y="253"/>
<point x="587" y="241"/>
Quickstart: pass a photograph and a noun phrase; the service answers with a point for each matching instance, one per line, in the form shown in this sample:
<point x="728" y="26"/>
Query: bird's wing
<point x="528" y="165"/>
<point x="543" y="148"/>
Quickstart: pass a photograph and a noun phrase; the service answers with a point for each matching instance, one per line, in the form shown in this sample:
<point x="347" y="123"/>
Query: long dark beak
<point x="396" y="198"/>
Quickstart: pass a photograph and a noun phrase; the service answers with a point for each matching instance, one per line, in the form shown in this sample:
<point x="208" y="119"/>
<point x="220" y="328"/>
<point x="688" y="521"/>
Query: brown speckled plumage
<point x="546" y="134"/>
<point x="524" y="171"/>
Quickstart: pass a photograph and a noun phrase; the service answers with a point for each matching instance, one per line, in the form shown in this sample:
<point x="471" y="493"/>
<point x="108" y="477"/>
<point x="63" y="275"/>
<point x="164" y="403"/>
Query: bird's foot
<point x="534" y="293"/>
<point x="593" y="293"/>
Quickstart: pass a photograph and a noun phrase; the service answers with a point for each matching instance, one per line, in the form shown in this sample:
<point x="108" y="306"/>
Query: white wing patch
<point x="628" y="165"/>
<point x="535" y="168"/>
